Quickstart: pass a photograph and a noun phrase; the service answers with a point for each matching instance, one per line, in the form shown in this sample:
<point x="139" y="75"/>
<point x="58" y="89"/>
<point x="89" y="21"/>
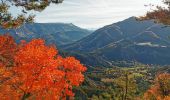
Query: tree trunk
<point x="25" y="96"/>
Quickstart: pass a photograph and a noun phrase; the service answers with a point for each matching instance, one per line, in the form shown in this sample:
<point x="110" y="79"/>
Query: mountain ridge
<point x="53" y="33"/>
<point x="128" y="40"/>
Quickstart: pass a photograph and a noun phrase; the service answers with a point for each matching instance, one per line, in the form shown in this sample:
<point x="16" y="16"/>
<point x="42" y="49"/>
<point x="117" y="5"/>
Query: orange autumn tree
<point x="38" y="72"/>
<point x="161" y="89"/>
<point x="7" y="49"/>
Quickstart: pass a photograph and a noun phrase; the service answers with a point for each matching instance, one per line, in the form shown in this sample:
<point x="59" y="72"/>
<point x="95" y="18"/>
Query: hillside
<point x="111" y="33"/>
<point x="109" y="83"/>
<point x="129" y="40"/>
<point x="53" y="33"/>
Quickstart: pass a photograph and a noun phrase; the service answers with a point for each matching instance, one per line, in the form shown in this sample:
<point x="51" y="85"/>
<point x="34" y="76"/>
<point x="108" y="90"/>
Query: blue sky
<point x="93" y="13"/>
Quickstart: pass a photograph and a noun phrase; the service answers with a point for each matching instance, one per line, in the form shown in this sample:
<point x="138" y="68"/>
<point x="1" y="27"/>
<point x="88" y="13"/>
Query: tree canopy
<point x="8" y="21"/>
<point x="161" y="89"/>
<point x="160" y="15"/>
<point x="35" y="70"/>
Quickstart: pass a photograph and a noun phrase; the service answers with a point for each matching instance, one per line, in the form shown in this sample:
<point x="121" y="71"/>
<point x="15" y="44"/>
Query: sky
<point x="92" y="14"/>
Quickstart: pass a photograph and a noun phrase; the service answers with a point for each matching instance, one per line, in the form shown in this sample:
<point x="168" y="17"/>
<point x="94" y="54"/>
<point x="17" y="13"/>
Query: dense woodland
<point x="139" y="82"/>
<point x="35" y="70"/>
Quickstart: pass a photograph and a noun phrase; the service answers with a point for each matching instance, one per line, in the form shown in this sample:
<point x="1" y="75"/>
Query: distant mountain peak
<point x="133" y="18"/>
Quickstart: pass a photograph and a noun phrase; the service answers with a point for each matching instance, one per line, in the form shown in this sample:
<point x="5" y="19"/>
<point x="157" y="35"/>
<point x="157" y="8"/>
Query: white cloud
<point x="93" y="13"/>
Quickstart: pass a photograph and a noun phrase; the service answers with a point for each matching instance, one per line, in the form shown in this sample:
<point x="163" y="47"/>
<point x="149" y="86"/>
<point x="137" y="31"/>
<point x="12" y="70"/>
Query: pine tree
<point x="7" y="21"/>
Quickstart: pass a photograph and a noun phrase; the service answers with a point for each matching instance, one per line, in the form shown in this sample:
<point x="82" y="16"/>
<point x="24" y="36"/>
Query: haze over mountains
<point x="126" y="41"/>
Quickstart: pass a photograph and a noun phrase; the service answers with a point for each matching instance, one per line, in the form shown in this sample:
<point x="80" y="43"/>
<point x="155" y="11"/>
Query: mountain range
<point x="52" y="33"/>
<point x="122" y="43"/>
<point x="129" y="40"/>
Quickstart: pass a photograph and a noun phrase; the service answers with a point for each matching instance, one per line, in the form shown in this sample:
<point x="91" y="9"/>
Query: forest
<point x="127" y="60"/>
